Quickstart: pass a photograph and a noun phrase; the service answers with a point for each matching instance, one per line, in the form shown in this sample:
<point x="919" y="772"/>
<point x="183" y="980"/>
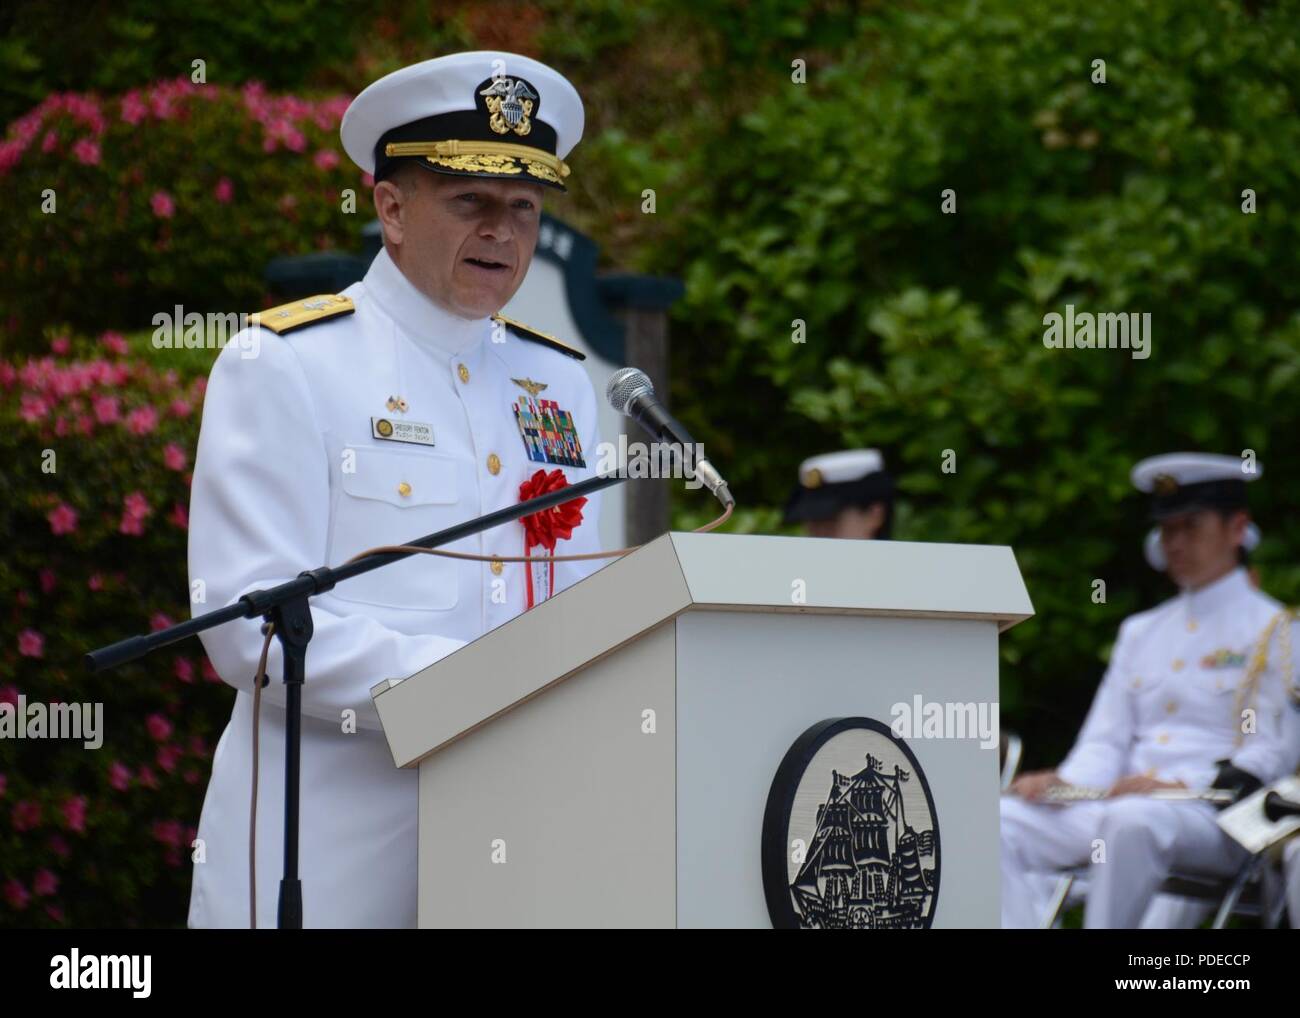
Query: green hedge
<point x="822" y="202"/>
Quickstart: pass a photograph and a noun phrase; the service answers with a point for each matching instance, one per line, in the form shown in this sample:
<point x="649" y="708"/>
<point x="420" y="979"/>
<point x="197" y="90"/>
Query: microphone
<point x="630" y="393"/>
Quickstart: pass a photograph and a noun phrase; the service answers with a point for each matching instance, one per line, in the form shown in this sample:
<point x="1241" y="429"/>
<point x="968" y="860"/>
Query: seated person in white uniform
<point x="1178" y="708"/>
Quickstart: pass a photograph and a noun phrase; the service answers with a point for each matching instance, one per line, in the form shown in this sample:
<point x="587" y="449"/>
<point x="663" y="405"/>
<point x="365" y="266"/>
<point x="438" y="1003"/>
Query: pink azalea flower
<point x="142" y="420"/>
<point x="63" y="519"/>
<point x="169" y="832"/>
<point x="33" y="408"/>
<point x="159" y="727"/>
<point x="9" y="694"/>
<point x="183" y="669"/>
<point x="206" y="668"/>
<point x="164" y="207"/>
<point x="134" y="511"/>
<point x="119" y="776"/>
<point x="48" y="580"/>
<point x="133" y="108"/>
<point x="26" y="815"/>
<point x="87" y="151"/>
<point x="50" y="140"/>
<point x="168" y="757"/>
<point x="180" y="408"/>
<point x="74" y="813"/>
<point x="60" y="345"/>
<point x="96" y="582"/>
<point x="326" y="159"/>
<point x="16" y="894"/>
<point x="174" y="457"/>
<point x="31" y="643"/>
<point x="159" y="621"/>
<point x="44" y="883"/>
<point x="180" y="516"/>
<point x="135" y="504"/>
<point x="224" y="191"/>
<point x="106" y="408"/>
<point x="54" y="912"/>
<point x="115" y="342"/>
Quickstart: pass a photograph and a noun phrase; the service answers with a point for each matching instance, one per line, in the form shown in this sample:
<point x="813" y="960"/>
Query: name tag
<point x="389" y="430"/>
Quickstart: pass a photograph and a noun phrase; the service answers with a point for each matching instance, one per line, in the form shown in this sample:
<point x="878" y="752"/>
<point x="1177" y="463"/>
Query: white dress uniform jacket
<point x="1169" y="706"/>
<point x="289" y="476"/>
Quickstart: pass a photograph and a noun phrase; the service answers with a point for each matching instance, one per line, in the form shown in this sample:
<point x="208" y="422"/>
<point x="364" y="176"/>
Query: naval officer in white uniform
<point x="1168" y="714"/>
<point x="387" y="412"/>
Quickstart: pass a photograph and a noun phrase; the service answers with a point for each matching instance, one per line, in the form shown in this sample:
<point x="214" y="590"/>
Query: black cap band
<point x="1187" y="498"/>
<point x="468" y="125"/>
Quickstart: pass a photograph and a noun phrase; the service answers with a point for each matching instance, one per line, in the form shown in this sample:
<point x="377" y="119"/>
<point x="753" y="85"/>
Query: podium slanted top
<point x="680" y="572"/>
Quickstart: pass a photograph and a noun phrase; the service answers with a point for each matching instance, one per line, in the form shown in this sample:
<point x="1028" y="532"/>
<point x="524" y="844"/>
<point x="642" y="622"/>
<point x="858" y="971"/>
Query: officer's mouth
<point x="487" y="265"/>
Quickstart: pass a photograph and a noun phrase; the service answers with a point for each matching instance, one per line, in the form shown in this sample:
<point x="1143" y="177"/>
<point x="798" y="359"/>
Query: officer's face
<point x="465" y="242"/>
<point x="852" y="523"/>
<point x="1201" y="546"/>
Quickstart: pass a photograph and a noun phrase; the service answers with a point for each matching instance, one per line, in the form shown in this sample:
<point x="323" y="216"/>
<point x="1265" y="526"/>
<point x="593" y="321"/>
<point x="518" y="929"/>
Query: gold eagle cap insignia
<point x="1165" y="485"/>
<point x="529" y="386"/>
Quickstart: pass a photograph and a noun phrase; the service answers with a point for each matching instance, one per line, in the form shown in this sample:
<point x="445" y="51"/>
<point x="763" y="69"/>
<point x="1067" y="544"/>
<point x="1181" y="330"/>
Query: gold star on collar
<point x="529" y="386"/>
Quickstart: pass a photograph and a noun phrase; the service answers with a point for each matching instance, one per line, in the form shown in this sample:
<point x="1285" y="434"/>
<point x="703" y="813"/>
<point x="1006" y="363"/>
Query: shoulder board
<point x="545" y="338"/>
<point x="299" y="313"/>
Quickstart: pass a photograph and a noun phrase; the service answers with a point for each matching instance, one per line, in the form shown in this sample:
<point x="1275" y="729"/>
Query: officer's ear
<point x="391" y="198"/>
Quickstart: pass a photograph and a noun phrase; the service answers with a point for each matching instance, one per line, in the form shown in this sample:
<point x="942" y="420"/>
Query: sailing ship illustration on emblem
<point x="862" y="853"/>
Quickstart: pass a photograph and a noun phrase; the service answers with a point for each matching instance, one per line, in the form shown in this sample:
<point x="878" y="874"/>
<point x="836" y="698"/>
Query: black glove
<point x="1240" y="783"/>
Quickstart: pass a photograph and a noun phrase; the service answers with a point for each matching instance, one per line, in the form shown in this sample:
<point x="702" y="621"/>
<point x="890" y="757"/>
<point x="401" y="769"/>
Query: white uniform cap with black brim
<point x="1185" y="482"/>
<point x="480" y="114"/>
<point x="833" y="481"/>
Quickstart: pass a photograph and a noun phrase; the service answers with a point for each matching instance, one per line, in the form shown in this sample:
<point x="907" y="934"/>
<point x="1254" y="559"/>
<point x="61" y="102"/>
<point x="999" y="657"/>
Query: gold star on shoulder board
<point x="529" y="386"/>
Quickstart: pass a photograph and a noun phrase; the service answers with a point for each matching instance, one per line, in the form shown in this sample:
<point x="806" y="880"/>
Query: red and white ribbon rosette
<point x="544" y="528"/>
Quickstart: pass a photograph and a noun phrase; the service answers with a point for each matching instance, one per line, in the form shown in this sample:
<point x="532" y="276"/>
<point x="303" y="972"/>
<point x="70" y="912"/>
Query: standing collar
<point x="431" y="326"/>
<point x="1222" y="592"/>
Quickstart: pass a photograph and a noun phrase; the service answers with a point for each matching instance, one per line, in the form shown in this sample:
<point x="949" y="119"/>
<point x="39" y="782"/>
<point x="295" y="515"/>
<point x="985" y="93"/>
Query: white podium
<point x="721" y="731"/>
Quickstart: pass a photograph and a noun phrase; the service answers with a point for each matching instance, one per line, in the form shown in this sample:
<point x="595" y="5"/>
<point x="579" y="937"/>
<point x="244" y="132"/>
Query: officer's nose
<point x="495" y="224"/>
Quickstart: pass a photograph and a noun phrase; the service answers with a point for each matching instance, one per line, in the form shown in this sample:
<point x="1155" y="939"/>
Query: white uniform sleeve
<point x="586" y="538"/>
<point x="1272" y="750"/>
<point x="1098" y="756"/>
<point x="259" y="515"/>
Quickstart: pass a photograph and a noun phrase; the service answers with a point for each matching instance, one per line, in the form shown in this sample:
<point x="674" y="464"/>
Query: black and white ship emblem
<point x="862" y="853"/>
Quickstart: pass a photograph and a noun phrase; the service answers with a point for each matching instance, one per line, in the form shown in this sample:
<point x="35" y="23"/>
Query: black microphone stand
<point x="286" y="607"/>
